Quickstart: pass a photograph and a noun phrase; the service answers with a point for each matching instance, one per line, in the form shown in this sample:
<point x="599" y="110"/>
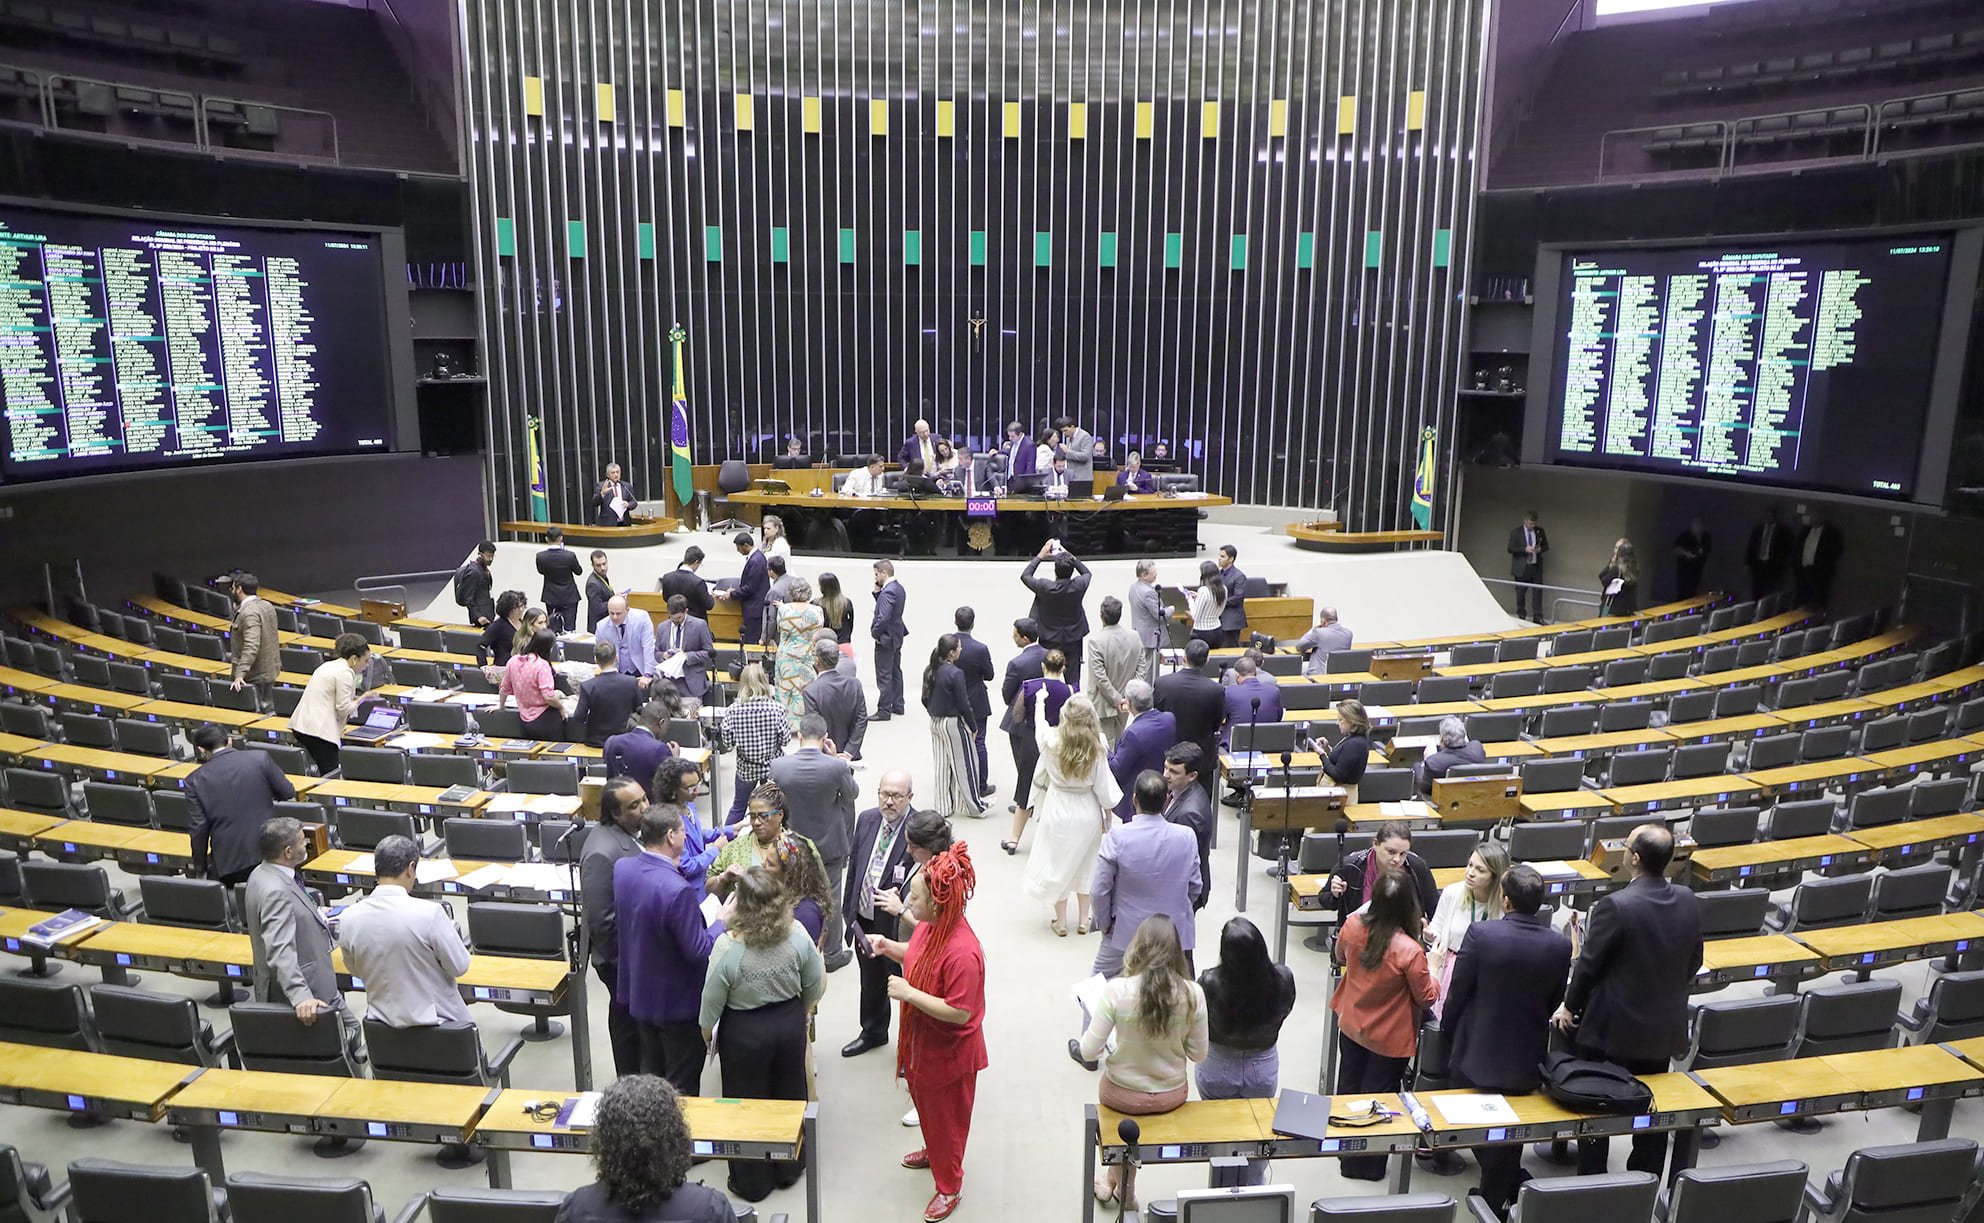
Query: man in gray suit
<point x="1188" y="805"/>
<point x="1147" y="615"/>
<point x="819" y="805"/>
<point x="682" y="634"/>
<point x="836" y="696"/>
<point x="1078" y="447"/>
<point x="288" y="935"/>
<point x="1148" y="867"/>
<point x="1115" y="657"/>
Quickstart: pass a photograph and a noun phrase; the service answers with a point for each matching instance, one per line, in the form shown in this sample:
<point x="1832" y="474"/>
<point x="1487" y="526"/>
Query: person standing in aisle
<point x="1527" y="545"/>
<point x="561" y="569"/>
<point x="889" y="631"/>
<point x="1057" y="604"/>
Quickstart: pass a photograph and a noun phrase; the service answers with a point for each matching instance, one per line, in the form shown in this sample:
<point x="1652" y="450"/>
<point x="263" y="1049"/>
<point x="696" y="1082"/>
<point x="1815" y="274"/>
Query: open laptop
<point x="381" y="724"/>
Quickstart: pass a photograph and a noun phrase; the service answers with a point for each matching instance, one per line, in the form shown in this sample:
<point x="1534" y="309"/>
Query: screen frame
<point x="395" y="320"/>
<point x="1945" y="379"/>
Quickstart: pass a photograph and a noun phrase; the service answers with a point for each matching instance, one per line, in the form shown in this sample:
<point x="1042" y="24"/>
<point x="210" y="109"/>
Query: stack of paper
<point x="428" y="695"/>
<point x="484" y="876"/>
<point x="579" y="1111"/>
<point x="1409" y="809"/>
<point x="433" y="870"/>
<point x="1474" y="1109"/>
<point x="538" y="876"/>
<point x="360" y="864"/>
<point x="537" y="804"/>
<point x="1557" y="870"/>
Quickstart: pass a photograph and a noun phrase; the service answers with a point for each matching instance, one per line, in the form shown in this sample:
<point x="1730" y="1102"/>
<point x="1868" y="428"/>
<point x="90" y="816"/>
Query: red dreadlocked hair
<point x="951" y="881"/>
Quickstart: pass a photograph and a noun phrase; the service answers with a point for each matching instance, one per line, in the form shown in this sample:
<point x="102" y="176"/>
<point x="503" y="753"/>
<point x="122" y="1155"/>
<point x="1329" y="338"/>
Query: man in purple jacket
<point x="664" y="950"/>
<point x="1249" y="686"/>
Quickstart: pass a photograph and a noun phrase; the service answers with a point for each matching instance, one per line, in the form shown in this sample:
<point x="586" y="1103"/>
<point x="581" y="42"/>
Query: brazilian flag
<point x="1422" y="483"/>
<point x="540" y="499"/>
<point x="678" y="422"/>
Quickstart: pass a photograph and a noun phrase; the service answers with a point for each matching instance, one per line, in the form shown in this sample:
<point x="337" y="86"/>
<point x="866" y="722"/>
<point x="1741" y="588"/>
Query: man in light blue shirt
<point x="631" y="631"/>
<point x="1329" y="635"/>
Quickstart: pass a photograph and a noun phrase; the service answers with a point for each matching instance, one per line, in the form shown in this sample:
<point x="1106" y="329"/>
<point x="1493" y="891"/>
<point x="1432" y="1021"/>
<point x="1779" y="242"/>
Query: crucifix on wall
<point x="977" y="322"/>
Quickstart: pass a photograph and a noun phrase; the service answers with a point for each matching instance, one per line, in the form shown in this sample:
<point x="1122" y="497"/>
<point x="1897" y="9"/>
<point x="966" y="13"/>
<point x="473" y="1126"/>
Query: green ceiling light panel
<point x="1374" y="248"/>
<point x="846" y="245"/>
<point x="1239" y="256"/>
<point x="713" y="243"/>
<point x="912" y="247"/>
<point x="506" y="236"/>
<point x="575" y="239"/>
<point x="1105" y="249"/>
<point x="1174" y="250"/>
<point x="781" y="244"/>
<point x="1443" y="242"/>
<point x="644" y="240"/>
<point x="978" y="248"/>
<point x="1043" y="248"/>
<point x="1305" y="251"/>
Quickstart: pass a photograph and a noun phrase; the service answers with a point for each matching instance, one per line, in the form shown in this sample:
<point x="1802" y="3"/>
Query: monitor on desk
<point x="1027" y="484"/>
<point x="1081" y="490"/>
<point x="1248" y="1204"/>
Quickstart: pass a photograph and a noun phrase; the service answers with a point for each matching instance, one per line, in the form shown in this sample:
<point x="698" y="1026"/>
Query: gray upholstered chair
<point x="108" y="1191"/>
<point x="1384" y="1208"/>
<point x="1915" y="1182"/>
<point x="261" y="1197"/>
<point x="26" y="1196"/>
<point x="1753" y="1193"/>
<point x="1616" y="1197"/>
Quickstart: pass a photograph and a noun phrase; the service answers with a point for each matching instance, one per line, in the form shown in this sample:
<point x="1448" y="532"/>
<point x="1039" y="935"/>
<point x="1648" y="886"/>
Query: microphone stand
<point x="1129" y="1131"/>
<point x="1281" y="855"/>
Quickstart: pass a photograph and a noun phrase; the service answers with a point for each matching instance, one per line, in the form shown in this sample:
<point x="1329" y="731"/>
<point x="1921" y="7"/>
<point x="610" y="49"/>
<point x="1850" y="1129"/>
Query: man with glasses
<point x="878" y="862"/>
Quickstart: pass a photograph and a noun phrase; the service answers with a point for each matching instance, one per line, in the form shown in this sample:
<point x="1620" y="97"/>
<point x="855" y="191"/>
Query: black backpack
<point x="463" y="590"/>
<point x="1594" y="1087"/>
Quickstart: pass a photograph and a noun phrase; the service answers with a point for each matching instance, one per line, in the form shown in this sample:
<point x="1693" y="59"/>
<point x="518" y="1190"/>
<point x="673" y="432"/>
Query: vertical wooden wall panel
<point x="1282" y="379"/>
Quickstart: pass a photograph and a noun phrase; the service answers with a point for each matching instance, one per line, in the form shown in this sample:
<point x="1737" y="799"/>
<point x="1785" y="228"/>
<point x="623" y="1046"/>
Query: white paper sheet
<point x="484" y="876"/>
<point x="360" y="864"/>
<point x="710" y="906"/>
<point x="1475" y="1110"/>
<point x="1556" y="870"/>
<point x="433" y="870"/>
<point x="538" y="876"/>
<point x="585" y="1109"/>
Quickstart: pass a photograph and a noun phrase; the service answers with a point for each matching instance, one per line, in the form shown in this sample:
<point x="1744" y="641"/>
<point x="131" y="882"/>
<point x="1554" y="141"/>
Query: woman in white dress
<point x="1074" y="794"/>
<point x="775" y="543"/>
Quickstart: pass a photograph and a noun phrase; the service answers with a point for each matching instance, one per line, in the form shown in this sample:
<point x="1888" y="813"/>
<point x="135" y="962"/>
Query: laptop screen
<point x="383" y="717"/>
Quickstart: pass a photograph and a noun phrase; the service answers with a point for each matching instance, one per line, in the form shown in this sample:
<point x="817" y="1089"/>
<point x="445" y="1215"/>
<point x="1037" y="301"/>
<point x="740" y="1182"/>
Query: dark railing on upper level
<point x="128" y="112"/>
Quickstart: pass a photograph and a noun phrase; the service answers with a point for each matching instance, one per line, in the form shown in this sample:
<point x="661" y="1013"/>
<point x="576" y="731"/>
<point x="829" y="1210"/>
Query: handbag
<point x="1590" y="1086"/>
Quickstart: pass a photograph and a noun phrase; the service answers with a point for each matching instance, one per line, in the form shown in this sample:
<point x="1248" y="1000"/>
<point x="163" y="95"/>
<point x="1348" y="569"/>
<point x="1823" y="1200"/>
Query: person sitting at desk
<point x="1253" y="697"/>
<point x="1455" y="748"/>
<point x="1059" y="478"/>
<point x="641" y="1151"/>
<point x="1133" y="476"/>
<point x="613" y="502"/>
<point x="1157" y="1013"/>
<point x="606" y="701"/>
<point x="529" y="679"/>
<point x="865" y="480"/>
<point x="406" y="950"/>
<point x="950" y="469"/>
<point x="917" y="480"/>
<point x="1329" y="636"/>
<point x="1347" y="760"/>
<point x="499" y="638"/>
<point x="794" y="456"/>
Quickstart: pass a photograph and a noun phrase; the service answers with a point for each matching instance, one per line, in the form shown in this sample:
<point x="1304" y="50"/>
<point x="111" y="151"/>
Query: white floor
<point x="1026" y="1144"/>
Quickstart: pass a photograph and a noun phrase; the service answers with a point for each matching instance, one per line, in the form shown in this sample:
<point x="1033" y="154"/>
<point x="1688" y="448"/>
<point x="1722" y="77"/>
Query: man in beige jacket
<point x="257" y="644"/>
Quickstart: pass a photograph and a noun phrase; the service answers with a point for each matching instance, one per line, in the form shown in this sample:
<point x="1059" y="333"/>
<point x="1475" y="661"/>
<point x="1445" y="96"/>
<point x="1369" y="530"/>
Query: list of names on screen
<point x="1801" y="364"/>
<point x="128" y="342"/>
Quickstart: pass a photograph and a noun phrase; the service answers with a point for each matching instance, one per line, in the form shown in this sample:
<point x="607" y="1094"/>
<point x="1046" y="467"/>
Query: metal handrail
<point x="45" y="81"/>
<point x="1722" y="127"/>
<point x="1585" y="596"/>
<point x="1736" y="126"/>
<point x="336" y="150"/>
<point x="397" y="581"/>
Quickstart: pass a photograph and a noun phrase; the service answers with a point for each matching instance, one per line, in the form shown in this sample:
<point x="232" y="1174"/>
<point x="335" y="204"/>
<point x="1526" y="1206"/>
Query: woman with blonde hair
<point x="796" y="620"/>
<point x="764" y="975"/>
<point x="1476" y="896"/>
<point x="1074" y="794"/>
<point x="757" y="728"/>
<point x="1158" y="1015"/>
<point x="1352" y="752"/>
<point x="1619" y="581"/>
<point x="774" y="542"/>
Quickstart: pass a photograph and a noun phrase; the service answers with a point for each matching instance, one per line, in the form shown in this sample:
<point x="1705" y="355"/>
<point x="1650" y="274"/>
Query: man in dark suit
<point x="610" y="490"/>
<point x="608" y="700"/>
<point x="1232" y="617"/>
<point x="1150" y="734"/>
<point x="622" y="803"/>
<point x="1767" y="552"/>
<point x="1628" y="998"/>
<point x="1186" y="804"/>
<point x="879" y="860"/>
<point x="1025" y="665"/>
<point x="561" y="569"/>
<point x="230" y="796"/>
<point x="889" y="632"/>
<point x="819" y="805"/>
<point x="683" y="634"/>
<point x="664" y="947"/>
<point x="1507" y="979"/>
<point x="1527" y="544"/>
<point x="750" y="590"/>
<point x="1819" y="547"/>
<point x="639" y="750"/>
<point x="599" y="588"/>
<point x="1057" y="605"/>
<point x="1198" y="702"/>
<point x="975" y="660"/>
<point x="919" y="446"/>
<point x="837" y="698"/>
<point x="1020" y="451"/>
<point x="1250" y="685"/>
<point x="685" y="581"/>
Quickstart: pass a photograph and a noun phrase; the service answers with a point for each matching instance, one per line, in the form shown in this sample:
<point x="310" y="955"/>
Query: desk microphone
<point x="1129" y="1131"/>
<point x="1257" y="704"/>
<point x="559" y="844"/>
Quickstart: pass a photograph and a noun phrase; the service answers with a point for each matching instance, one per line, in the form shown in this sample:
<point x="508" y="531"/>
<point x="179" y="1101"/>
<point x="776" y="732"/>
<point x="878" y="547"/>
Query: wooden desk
<point x="1567" y="805"/>
<point x="18" y="828"/>
<point x="1816" y="777"/>
<point x="492" y="978"/>
<point x="1930" y="1075"/>
<point x="1826" y="713"/>
<point x="13" y="681"/>
<point x="1908" y="698"/>
<point x="1875" y="944"/>
<point x="175" y="775"/>
<point x="75" y="698"/>
<point x="1766" y="859"/>
<point x="1611" y="741"/>
<point x="400" y="1111"/>
<point x="100" y="1084"/>
<point x="1896" y="844"/>
<point x="85" y="841"/>
<point x="182" y="714"/>
<point x="96" y="763"/>
<point x="303" y="603"/>
<point x="652" y="531"/>
<point x="1910" y="1074"/>
<point x="1937" y="756"/>
<point x="1679" y="1103"/>
<point x="1695" y="792"/>
<point x="125" y="945"/>
<point x="1762" y="957"/>
<point x="222" y="1099"/>
<point x="1772" y="1090"/>
<point x="1740" y="726"/>
<point x="339" y="792"/>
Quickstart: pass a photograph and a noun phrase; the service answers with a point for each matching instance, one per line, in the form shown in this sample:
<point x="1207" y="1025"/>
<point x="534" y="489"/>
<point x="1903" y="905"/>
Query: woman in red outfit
<point x="941" y="1048"/>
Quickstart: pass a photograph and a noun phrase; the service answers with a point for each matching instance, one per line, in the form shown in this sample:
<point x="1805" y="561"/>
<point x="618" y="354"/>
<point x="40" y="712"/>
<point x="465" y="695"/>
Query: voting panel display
<point x="131" y="342"/>
<point x="1804" y="363"/>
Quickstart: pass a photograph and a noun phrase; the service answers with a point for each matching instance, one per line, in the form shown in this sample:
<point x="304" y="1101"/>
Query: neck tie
<point x="885" y="840"/>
